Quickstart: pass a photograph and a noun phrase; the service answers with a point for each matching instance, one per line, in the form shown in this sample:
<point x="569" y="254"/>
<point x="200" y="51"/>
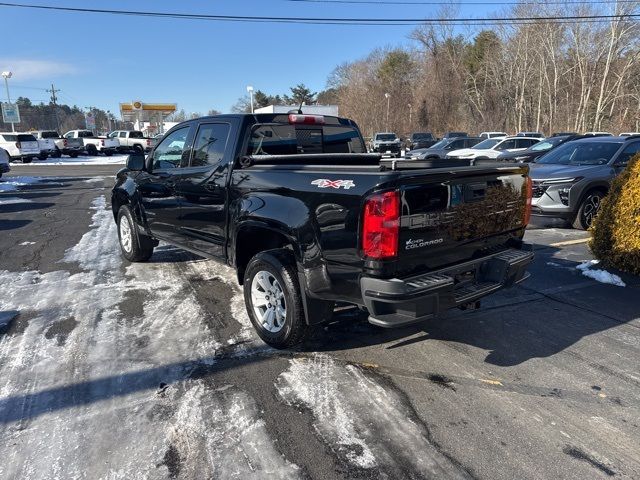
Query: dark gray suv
<point x="570" y="181"/>
<point x="441" y="148"/>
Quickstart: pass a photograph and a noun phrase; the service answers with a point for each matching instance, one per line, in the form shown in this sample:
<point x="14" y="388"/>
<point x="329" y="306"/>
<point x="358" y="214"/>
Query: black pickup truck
<point x="309" y="220"/>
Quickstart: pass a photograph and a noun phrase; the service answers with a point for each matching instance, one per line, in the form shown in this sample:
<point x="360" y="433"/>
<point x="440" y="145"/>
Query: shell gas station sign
<point x="138" y="112"/>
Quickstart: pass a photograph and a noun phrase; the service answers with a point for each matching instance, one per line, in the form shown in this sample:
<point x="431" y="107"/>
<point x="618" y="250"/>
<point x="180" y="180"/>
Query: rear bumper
<point x="399" y="302"/>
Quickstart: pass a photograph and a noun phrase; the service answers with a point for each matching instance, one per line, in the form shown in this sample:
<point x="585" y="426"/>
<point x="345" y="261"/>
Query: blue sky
<point x="101" y="60"/>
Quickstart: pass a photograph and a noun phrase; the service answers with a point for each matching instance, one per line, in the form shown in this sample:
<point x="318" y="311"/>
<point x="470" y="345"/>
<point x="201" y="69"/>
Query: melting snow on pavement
<point x="367" y="425"/>
<point x="10" y="184"/>
<point x="601" y="276"/>
<point x="81" y="374"/>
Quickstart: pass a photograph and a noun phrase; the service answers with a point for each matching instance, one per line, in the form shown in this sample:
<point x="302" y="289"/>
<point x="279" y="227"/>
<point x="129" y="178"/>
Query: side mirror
<point x="135" y="162"/>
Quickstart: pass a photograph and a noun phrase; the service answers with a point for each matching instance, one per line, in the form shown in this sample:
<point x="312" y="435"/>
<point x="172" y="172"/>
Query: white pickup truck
<point x="94" y="145"/>
<point x="47" y="143"/>
<point x="133" y="140"/>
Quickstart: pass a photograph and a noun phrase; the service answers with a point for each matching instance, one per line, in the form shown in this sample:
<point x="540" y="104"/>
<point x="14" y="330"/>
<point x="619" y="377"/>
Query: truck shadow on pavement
<point x="524" y="323"/>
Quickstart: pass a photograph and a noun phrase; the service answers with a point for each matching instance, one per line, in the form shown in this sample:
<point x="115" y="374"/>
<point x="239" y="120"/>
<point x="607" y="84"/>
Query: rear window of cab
<point x="284" y="139"/>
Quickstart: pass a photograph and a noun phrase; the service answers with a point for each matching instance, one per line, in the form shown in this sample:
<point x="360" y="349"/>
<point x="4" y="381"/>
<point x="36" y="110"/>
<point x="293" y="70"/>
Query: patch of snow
<point x="222" y="427"/>
<point x="10" y="184"/>
<point x="94" y="180"/>
<point x="366" y="424"/>
<point x="11" y="200"/>
<point x="27" y="243"/>
<point x="601" y="276"/>
<point x="101" y="160"/>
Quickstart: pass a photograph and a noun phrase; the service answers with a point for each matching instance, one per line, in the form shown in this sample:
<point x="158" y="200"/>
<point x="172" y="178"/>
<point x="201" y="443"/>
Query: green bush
<point x="616" y="228"/>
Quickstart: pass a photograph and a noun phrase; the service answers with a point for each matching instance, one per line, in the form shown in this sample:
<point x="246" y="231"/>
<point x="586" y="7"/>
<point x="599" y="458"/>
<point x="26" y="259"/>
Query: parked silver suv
<point x="570" y="181"/>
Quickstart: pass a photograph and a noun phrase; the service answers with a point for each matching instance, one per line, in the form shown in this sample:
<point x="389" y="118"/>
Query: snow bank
<point x="601" y="276"/>
<point x="113" y="160"/>
<point x="367" y="425"/>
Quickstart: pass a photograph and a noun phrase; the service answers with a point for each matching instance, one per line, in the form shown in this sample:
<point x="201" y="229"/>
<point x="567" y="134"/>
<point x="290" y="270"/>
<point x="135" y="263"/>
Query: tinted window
<point x="281" y="139"/>
<point x="470" y="142"/>
<point x="524" y="143"/>
<point x="386" y="137"/>
<point x="136" y="135"/>
<point x="9" y="138"/>
<point x="50" y="135"/>
<point x="209" y="144"/>
<point x="421" y="136"/>
<point x="507" y="144"/>
<point x="168" y="154"/>
<point x="26" y="138"/>
<point x="581" y="153"/>
<point x="456" y="144"/>
<point x="85" y="134"/>
<point x="628" y="152"/>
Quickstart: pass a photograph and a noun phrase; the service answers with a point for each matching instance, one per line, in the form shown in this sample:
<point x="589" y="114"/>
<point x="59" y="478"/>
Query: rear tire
<point x="134" y="247"/>
<point x="273" y="300"/>
<point x="56" y="154"/>
<point x="43" y="156"/>
<point x="108" y="154"/>
<point x="92" y="150"/>
<point x="138" y="149"/>
<point x="588" y="210"/>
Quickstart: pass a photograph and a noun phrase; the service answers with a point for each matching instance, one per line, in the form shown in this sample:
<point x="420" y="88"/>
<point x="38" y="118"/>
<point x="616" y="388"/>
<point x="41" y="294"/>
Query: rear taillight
<point x="148" y="142"/>
<point x="65" y="143"/>
<point x="527" y="208"/>
<point x="18" y="145"/>
<point x="380" y="225"/>
<point x="102" y="143"/>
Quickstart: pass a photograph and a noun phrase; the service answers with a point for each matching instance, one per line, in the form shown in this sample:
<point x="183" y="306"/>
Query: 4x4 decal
<point x="326" y="183"/>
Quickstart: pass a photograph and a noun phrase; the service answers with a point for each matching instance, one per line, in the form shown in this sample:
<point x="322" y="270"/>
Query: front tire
<point x="588" y="210"/>
<point x="134" y="247"/>
<point x="273" y="300"/>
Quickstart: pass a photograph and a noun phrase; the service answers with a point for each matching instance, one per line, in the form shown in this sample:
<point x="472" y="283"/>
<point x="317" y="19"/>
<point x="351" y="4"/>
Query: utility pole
<point x="7" y="76"/>
<point x="54" y="102"/>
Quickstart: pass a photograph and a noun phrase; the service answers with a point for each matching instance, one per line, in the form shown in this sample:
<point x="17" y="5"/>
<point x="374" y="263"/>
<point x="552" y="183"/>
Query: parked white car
<point x="4" y="162"/>
<point x="19" y="146"/>
<point x="94" y="144"/>
<point x="485" y="135"/>
<point x="492" y="147"/>
<point x="133" y="140"/>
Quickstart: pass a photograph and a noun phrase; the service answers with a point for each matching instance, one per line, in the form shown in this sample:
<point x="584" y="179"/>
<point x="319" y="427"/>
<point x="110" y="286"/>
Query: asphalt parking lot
<point x="119" y="371"/>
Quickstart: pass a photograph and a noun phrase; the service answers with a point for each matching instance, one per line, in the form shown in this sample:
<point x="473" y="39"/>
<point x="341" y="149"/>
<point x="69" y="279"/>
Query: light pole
<point x="250" y="90"/>
<point x="410" y="110"/>
<point x="387" y="96"/>
<point x="7" y="76"/>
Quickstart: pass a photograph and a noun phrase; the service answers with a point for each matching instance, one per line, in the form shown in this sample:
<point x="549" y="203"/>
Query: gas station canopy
<point x="138" y="111"/>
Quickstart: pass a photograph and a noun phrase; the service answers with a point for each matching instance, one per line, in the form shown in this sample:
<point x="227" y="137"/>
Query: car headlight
<point x="563" y="187"/>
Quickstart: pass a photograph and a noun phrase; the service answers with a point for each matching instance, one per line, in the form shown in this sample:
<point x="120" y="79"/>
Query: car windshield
<point x="386" y="136"/>
<point x="581" y="153"/>
<point x="487" y="144"/>
<point x="546" y="144"/>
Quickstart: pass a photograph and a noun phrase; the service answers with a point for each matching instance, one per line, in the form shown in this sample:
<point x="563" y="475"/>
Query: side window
<point x="627" y="153"/>
<point x="209" y="144"/>
<point x="123" y="134"/>
<point x="168" y="154"/>
<point x="523" y="143"/>
<point x="457" y="144"/>
<point x="69" y="135"/>
<point x="506" y="145"/>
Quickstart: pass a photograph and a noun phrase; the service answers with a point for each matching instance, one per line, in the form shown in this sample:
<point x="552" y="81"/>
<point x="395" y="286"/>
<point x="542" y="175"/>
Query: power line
<point x="337" y="21"/>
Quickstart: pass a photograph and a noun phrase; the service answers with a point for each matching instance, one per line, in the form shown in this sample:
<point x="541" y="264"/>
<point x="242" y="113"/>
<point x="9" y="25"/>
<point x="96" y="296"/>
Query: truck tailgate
<point x="455" y="218"/>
